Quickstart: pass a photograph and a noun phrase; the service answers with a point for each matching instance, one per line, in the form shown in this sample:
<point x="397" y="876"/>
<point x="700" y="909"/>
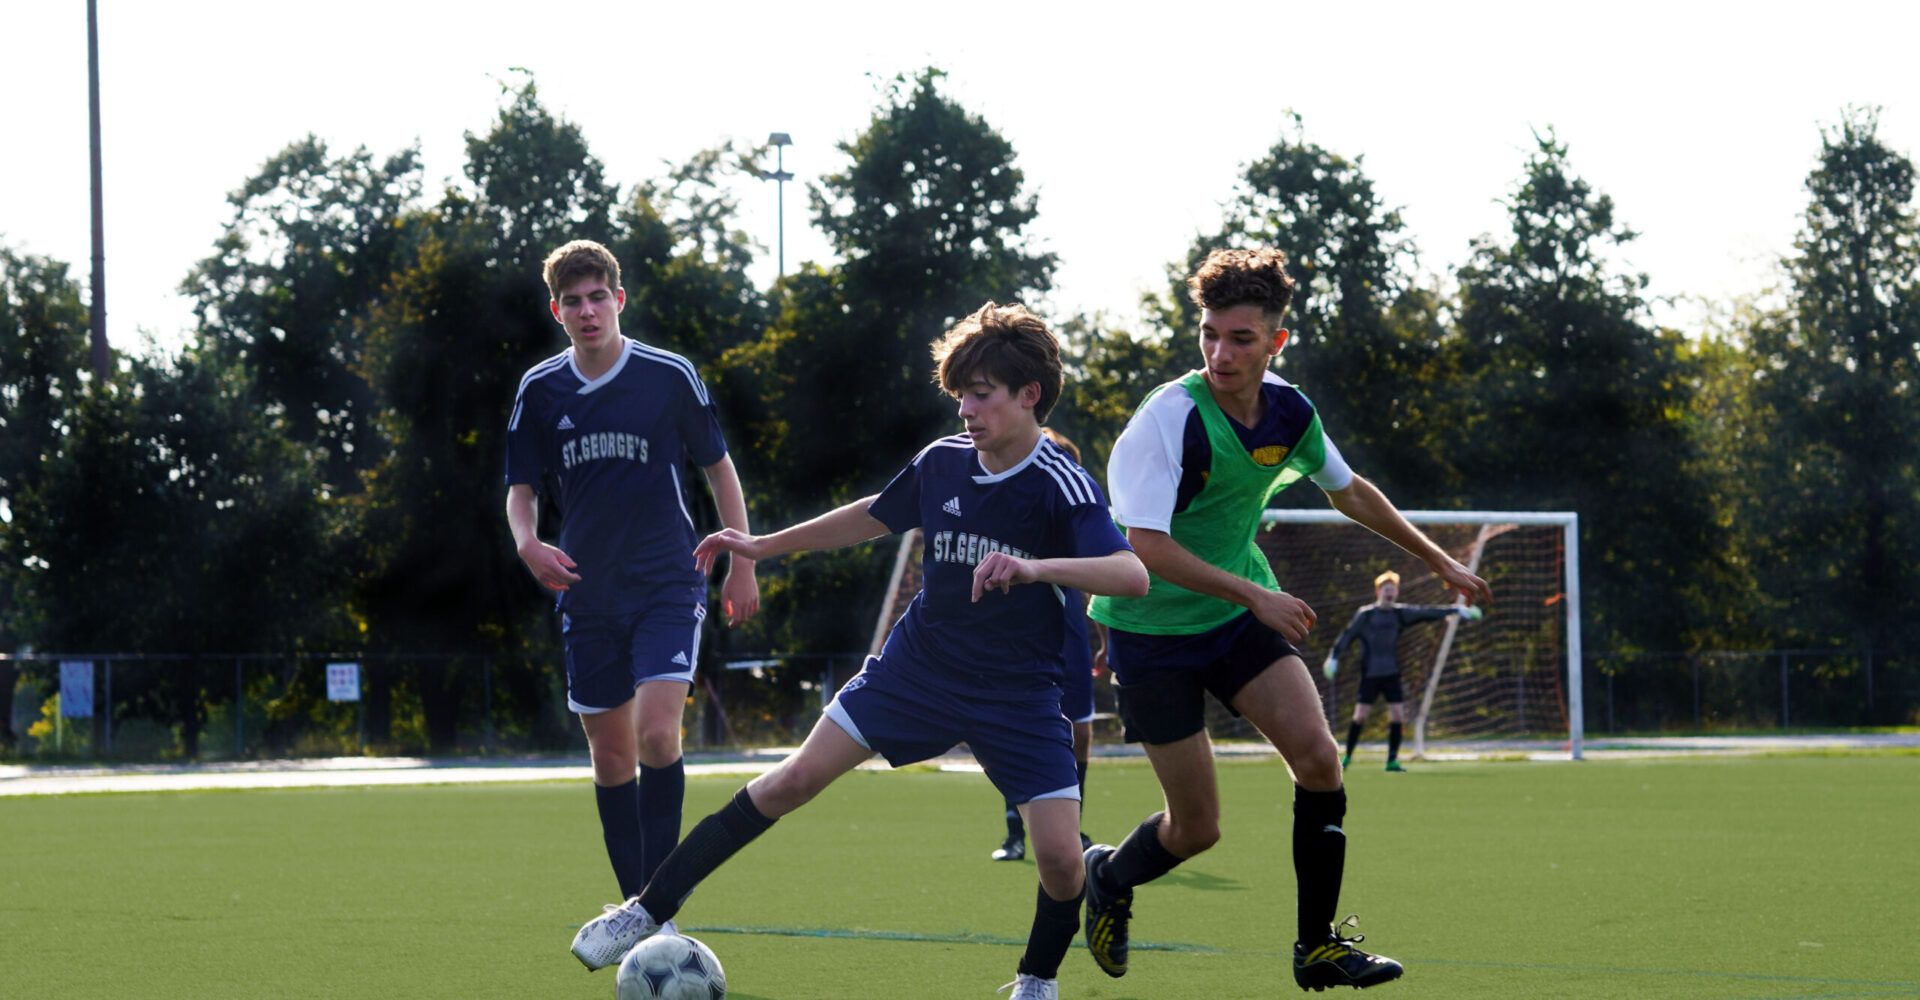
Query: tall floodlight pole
<point x="99" y="311"/>
<point x="780" y="141"/>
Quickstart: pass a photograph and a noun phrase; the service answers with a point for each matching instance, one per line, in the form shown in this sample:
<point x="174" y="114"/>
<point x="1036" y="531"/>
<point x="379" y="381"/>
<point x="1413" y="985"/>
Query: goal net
<point x="1512" y="677"/>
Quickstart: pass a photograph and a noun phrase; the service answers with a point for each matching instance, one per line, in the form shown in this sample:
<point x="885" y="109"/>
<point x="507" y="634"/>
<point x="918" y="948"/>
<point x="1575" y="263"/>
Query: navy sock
<point x="662" y="791"/>
<point x="1393" y="741"/>
<point x="1140" y="858"/>
<point x="1319" y="859"/>
<point x="1080" y="770"/>
<point x="712" y="841"/>
<point x="620" y="827"/>
<point x="1353" y="737"/>
<point x="1054" y="922"/>
<point x="1015" y="828"/>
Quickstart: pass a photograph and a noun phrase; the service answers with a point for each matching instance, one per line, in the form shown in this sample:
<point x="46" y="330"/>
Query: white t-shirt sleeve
<point x="1334" y="475"/>
<point x="1143" y="472"/>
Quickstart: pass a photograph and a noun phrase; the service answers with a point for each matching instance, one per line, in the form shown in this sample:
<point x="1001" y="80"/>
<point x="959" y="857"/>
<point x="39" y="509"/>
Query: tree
<point x="43" y="374"/>
<point x="1568" y="399"/>
<point x="929" y="218"/>
<point x="1364" y="338"/>
<point x="305" y="258"/>
<point x="536" y="183"/>
<point x="172" y="517"/>
<point x="1837" y="386"/>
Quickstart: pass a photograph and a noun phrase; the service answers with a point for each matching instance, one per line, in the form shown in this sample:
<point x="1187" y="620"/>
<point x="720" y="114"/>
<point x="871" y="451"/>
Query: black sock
<point x="1353" y="738"/>
<point x="1015" y="828"/>
<point x="1054" y="921"/>
<point x="1319" y="858"/>
<point x="1393" y="741"/>
<point x="1140" y="858"/>
<point x="662" y="791"/>
<point x="712" y="841"/>
<point x="620" y="827"/>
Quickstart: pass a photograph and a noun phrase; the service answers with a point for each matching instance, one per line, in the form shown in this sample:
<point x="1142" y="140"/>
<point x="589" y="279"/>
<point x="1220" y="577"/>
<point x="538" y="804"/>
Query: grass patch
<point x="1720" y="878"/>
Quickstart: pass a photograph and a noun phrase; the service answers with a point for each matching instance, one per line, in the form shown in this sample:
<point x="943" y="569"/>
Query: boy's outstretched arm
<point x="1118" y="573"/>
<point x="1362" y="502"/>
<point x="835" y="529"/>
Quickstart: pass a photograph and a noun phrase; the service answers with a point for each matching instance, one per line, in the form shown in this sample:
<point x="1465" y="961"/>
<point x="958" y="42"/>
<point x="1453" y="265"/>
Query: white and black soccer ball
<point x="670" y="967"/>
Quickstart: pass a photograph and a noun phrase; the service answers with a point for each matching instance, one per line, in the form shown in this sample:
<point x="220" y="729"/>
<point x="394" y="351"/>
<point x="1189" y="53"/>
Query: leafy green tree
<point x="1568" y="398"/>
<point x="536" y="183"/>
<point x="929" y="217"/>
<point x="43" y="375"/>
<point x="305" y="258"/>
<point x="173" y="518"/>
<point x="1364" y="338"/>
<point x="1837" y="388"/>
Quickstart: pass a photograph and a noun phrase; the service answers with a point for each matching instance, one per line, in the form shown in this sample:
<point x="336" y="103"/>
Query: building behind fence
<point x="144" y="707"/>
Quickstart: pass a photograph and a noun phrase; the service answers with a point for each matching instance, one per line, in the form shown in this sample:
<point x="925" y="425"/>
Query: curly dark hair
<point x="1231" y="278"/>
<point x="1007" y="344"/>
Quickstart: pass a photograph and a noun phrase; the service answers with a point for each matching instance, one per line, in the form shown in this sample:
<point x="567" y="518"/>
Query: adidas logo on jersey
<point x="566" y="423"/>
<point x="952" y="506"/>
<point x="680" y="658"/>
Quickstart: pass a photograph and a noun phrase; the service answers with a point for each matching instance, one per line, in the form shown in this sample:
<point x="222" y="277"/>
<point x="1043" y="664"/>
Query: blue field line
<point x="963" y="937"/>
<point x="1880" y="988"/>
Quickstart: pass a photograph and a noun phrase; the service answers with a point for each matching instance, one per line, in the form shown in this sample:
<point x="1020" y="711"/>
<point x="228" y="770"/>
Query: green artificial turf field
<point x="1759" y="877"/>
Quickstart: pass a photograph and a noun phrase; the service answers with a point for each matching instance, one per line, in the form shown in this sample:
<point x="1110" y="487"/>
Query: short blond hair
<point x="1388" y="577"/>
<point x="576" y="260"/>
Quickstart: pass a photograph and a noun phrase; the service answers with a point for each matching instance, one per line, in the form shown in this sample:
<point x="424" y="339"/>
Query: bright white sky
<point x="1701" y="120"/>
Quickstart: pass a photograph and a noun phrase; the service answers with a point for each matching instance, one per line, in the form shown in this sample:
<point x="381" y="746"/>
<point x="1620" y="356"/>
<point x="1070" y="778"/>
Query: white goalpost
<point x="1512" y="677"/>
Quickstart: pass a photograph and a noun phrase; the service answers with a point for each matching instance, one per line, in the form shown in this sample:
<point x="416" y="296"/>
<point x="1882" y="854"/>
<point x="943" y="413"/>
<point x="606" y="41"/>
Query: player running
<point x="606" y="426"/>
<point x="1008" y="523"/>
<point x="1190" y="475"/>
<point x="1377" y="627"/>
<point x="1076" y="696"/>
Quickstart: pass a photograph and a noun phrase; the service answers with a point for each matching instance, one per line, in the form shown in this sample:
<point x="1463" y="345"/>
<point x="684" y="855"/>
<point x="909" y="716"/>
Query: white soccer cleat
<point x="607" y="938"/>
<point x="1026" y="987"/>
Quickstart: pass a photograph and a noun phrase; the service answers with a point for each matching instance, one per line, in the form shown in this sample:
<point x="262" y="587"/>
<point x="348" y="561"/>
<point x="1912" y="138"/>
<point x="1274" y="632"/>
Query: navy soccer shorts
<point x="1161" y="681"/>
<point x="610" y="656"/>
<point x="1020" y="738"/>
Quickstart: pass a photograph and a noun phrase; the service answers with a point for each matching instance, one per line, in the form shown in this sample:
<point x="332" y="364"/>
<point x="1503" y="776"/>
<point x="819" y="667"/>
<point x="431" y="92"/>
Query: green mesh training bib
<point x="1219" y="526"/>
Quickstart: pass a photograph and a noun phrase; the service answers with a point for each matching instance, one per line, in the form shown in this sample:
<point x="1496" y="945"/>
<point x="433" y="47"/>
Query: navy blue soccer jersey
<point x="1046" y="507"/>
<point x="612" y="452"/>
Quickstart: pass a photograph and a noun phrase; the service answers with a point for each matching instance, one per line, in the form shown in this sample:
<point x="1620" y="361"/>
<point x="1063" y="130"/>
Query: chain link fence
<point x="145" y="707"/>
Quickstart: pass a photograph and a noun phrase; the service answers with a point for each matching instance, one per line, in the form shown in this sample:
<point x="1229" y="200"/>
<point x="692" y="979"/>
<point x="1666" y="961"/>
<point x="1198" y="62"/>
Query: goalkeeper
<point x="1377" y="626"/>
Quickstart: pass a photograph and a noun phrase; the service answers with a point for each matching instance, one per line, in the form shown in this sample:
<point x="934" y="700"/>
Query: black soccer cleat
<point x="1014" y="848"/>
<point x="1108" y="914"/>
<point x="1338" y="963"/>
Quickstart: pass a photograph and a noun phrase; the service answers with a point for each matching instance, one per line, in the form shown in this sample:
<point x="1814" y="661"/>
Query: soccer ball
<point x="670" y="967"/>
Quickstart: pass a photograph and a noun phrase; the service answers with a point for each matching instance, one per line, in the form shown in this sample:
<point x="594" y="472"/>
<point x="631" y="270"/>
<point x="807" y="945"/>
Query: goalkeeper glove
<point x="1471" y="613"/>
<point x="1331" y="667"/>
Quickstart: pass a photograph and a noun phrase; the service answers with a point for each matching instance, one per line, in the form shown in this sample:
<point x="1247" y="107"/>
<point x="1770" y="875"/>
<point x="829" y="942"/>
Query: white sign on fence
<point x="343" y="682"/>
<point x="76" y="689"/>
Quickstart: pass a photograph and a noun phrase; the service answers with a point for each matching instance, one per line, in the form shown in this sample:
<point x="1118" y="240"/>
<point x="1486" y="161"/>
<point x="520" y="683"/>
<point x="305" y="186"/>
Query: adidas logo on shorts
<point x="680" y="658"/>
<point x="952" y="506"/>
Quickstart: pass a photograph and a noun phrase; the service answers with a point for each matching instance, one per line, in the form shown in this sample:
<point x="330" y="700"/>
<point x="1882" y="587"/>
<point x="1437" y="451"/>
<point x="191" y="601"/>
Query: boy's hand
<point x="549" y="565"/>
<point x="1331" y="667"/>
<point x="1285" y="614"/>
<point x="1000" y="571"/>
<point x="726" y="540"/>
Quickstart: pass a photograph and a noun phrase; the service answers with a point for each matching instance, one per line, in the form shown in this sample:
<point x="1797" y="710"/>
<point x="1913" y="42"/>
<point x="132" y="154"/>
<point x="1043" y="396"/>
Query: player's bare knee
<point x="1061" y="877"/>
<point x="659" y="748"/>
